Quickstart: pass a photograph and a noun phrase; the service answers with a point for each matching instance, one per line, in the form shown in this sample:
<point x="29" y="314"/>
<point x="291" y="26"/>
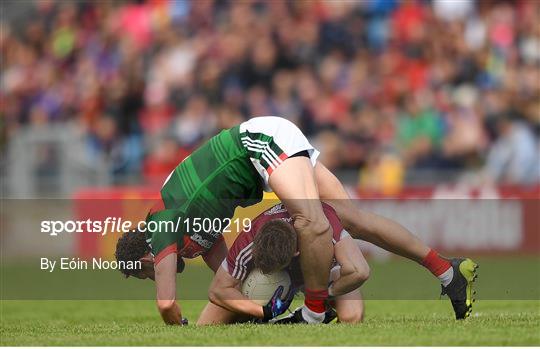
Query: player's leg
<point x="294" y="183"/>
<point x="367" y="226"/>
<point x="350" y="307"/>
<point x="213" y="314"/>
<point x="456" y="275"/>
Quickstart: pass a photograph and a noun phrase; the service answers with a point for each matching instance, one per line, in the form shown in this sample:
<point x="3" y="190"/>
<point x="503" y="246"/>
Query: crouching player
<point x="271" y="245"/>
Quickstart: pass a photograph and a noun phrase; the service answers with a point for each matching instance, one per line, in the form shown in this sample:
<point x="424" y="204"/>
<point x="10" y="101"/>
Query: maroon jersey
<point x="238" y="262"/>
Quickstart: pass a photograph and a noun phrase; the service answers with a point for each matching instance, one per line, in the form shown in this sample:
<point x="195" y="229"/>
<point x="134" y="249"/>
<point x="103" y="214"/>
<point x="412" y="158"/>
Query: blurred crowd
<point x="382" y="87"/>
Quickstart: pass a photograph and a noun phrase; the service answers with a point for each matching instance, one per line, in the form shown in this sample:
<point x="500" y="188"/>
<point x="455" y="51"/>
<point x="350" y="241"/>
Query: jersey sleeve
<point x="238" y="262"/>
<point x="162" y="235"/>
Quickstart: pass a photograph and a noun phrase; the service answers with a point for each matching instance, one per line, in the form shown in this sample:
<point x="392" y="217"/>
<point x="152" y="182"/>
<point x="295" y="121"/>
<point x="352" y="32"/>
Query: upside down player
<point x="271" y="245"/>
<point x="271" y="153"/>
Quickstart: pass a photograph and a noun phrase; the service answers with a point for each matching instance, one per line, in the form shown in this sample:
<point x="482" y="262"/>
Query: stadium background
<point x="406" y="98"/>
<point x="429" y="112"/>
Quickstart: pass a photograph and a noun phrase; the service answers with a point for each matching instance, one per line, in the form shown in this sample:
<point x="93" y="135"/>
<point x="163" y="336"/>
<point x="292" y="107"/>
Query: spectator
<point x="419" y="132"/>
<point x="420" y="80"/>
<point x="515" y="155"/>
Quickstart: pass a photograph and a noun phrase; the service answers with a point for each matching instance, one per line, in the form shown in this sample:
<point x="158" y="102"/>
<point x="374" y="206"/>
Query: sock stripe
<point x="315" y="300"/>
<point x="435" y="264"/>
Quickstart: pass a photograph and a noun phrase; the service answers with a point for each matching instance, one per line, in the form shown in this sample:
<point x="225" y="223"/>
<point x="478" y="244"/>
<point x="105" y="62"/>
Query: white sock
<point x="446" y="277"/>
<point x="312" y="317"/>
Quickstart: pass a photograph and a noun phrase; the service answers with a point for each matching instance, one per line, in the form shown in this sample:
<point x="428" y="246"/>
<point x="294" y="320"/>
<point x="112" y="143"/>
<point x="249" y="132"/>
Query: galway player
<point x="271" y="245"/>
<point x="270" y="153"/>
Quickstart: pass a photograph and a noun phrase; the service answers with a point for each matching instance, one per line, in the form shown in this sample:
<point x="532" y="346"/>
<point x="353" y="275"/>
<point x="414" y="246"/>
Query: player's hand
<point x="276" y="306"/>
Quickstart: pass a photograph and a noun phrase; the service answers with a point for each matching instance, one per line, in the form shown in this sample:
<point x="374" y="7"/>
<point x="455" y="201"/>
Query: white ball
<point x="260" y="287"/>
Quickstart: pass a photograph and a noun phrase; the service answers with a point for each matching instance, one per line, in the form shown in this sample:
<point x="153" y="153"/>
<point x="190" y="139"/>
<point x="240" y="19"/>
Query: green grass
<point x="387" y="323"/>
<point x="507" y="313"/>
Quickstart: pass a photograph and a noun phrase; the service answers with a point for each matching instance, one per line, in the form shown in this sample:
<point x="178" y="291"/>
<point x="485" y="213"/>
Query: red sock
<point x="315" y="300"/>
<point x="435" y="264"/>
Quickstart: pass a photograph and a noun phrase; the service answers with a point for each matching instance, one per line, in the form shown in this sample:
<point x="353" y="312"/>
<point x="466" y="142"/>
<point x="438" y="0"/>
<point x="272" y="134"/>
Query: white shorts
<point x="270" y="140"/>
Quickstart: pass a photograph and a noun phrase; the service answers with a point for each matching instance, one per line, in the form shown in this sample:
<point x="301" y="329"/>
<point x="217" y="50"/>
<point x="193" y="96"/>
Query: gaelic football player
<point x="270" y="153"/>
<point x="271" y="245"/>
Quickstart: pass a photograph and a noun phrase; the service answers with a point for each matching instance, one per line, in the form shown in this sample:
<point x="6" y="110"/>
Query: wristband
<point x="267" y="313"/>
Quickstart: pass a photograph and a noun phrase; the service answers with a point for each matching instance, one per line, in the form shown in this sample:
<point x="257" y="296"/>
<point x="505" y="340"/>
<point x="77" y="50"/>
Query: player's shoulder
<point x="239" y="255"/>
<point x="243" y="242"/>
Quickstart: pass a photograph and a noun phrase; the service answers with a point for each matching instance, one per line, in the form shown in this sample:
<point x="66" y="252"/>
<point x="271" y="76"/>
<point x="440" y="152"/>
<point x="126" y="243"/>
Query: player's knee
<point x="353" y="316"/>
<point x="165" y="305"/>
<point x="204" y="319"/>
<point x="311" y="226"/>
<point x="203" y="322"/>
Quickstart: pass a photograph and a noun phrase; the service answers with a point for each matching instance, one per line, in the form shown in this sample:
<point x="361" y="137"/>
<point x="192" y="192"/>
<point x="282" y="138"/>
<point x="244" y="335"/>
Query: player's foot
<point x="293" y="318"/>
<point x="460" y="290"/>
<point x="296" y="317"/>
<point x="330" y="316"/>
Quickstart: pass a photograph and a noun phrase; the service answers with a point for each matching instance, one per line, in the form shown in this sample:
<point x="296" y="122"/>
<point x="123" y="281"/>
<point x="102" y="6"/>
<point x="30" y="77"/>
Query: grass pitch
<point x="508" y="312"/>
<point x="114" y="323"/>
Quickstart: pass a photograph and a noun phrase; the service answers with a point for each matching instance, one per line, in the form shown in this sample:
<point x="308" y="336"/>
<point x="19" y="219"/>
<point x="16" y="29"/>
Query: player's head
<point x="132" y="247"/>
<point x="274" y="246"/>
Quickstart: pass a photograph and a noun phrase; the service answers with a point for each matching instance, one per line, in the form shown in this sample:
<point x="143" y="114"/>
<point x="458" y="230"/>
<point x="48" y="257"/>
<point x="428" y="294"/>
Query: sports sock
<point x="439" y="267"/>
<point x="312" y="317"/>
<point x="314" y="309"/>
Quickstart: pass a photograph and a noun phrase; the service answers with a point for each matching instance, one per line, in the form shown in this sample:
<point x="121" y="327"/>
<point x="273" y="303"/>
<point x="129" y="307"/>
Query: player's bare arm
<point x="225" y="292"/>
<point x="165" y="274"/>
<point x="353" y="270"/>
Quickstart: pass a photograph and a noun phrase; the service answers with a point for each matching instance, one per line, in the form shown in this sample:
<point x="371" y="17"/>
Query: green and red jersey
<point x="210" y="183"/>
<point x="229" y="170"/>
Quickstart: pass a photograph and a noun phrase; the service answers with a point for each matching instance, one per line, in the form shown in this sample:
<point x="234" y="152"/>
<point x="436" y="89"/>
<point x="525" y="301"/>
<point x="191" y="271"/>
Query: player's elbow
<point x="165" y="305"/>
<point x="215" y="295"/>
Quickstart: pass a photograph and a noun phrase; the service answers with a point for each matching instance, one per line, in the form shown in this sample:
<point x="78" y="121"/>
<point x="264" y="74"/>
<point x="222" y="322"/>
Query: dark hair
<point x="131" y="246"/>
<point x="274" y="246"/>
